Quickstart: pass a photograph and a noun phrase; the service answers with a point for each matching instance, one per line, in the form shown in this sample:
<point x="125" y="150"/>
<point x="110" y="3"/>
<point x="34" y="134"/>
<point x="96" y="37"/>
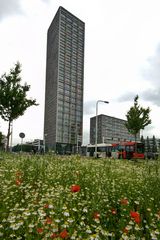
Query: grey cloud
<point x="89" y="107"/>
<point x="150" y="73"/>
<point x="9" y="7"/>
<point x="149" y="128"/>
<point x="148" y="131"/>
<point x="152" y="70"/>
<point x="12" y="7"/>
<point x="127" y="97"/>
<point x="152" y="95"/>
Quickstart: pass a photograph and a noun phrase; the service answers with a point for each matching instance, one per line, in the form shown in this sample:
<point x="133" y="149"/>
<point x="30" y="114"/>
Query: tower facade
<point x="110" y="130"/>
<point x="63" y="120"/>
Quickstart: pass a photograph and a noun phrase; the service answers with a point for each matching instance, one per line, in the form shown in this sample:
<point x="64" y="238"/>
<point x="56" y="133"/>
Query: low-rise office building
<point x="37" y="144"/>
<point x="109" y="130"/>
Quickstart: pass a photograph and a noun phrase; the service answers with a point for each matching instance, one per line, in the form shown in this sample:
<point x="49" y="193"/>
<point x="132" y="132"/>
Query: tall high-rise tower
<point x="63" y="119"/>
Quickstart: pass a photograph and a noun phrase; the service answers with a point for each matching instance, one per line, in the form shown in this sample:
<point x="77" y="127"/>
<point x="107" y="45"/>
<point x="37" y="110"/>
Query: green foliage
<point x="13" y="97"/>
<point x="24" y="148"/>
<point x="142" y="139"/>
<point x="154" y="145"/>
<point x="148" y="145"/>
<point x="137" y="118"/>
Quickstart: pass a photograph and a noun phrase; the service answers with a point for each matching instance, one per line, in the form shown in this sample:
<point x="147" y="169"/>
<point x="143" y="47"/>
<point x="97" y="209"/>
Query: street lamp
<point x="96" y="124"/>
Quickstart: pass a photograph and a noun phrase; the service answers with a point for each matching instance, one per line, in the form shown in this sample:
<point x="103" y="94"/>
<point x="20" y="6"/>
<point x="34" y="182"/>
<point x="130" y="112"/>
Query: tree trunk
<point x="8" y="135"/>
<point x="135" y="136"/>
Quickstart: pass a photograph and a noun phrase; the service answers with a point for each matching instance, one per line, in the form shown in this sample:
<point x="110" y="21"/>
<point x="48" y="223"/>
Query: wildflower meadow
<point x="73" y="197"/>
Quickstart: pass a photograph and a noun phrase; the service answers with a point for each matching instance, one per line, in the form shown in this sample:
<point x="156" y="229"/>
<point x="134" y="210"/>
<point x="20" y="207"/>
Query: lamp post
<point x="96" y="124"/>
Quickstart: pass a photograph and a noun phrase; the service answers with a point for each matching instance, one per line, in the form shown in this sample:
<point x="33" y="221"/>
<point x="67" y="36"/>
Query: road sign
<point x="22" y="135"/>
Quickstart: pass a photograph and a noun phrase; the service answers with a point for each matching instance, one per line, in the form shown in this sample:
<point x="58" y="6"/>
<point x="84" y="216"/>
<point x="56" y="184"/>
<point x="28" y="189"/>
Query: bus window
<point x="121" y="148"/>
<point x="129" y="148"/>
<point x="140" y="148"/>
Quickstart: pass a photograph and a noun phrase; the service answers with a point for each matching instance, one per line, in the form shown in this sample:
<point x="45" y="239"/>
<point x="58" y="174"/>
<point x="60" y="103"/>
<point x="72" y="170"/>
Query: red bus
<point x="122" y="150"/>
<point x="128" y="150"/>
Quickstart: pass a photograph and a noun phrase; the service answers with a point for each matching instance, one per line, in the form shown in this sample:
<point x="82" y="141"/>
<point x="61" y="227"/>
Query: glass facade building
<point x="63" y="119"/>
<point x="109" y="130"/>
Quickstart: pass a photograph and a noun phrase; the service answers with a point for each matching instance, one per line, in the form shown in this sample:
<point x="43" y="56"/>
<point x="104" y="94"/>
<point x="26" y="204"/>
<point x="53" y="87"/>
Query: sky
<point x="122" y="57"/>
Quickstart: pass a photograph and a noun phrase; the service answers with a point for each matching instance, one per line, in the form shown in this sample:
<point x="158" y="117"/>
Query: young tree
<point x="13" y="97"/>
<point x="148" y="145"/>
<point x="142" y="139"/>
<point x="137" y="118"/>
<point x="154" y="145"/>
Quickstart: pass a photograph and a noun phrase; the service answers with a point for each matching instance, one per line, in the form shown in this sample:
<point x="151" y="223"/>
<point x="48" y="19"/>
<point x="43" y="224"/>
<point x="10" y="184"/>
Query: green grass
<point x="37" y="202"/>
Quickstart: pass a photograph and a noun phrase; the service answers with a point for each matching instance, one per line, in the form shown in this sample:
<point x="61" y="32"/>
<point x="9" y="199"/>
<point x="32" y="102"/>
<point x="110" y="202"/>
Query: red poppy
<point x="137" y="219"/>
<point x="114" y="211"/>
<point x="54" y="235"/>
<point x="96" y="215"/>
<point x="136" y="216"/>
<point x="124" y="201"/>
<point x="18" y="181"/>
<point x="46" y="206"/>
<point x="48" y="220"/>
<point x="64" y="234"/>
<point x="75" y="188"/>
<point x="40" y="230"/>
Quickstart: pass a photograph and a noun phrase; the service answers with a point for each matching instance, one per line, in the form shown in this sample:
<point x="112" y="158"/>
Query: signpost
<point x="22" y="135"/>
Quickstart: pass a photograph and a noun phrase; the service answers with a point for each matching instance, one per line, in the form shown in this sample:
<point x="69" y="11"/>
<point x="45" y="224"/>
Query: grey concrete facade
<point x="63" y="118"/>
<point x="109" y="130"/>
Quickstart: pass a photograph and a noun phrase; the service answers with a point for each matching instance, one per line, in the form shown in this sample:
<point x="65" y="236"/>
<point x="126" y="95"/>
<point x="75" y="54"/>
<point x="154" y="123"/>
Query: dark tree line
<point x="151" y="145"/>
